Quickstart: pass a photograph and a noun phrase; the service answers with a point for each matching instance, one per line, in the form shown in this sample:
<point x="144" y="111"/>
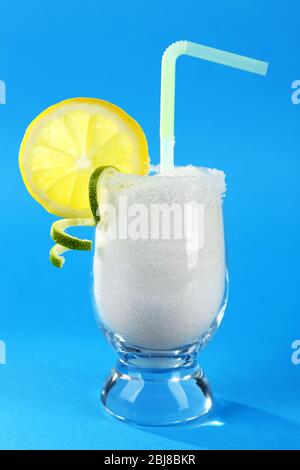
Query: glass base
<point x="156" y="391"/>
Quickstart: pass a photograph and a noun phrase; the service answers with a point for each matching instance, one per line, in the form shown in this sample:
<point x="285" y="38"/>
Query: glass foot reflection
<point x="156" y="397"/>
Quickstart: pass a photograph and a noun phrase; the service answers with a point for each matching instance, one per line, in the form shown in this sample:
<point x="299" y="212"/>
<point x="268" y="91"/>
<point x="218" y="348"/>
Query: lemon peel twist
<point x="65" y="241"/>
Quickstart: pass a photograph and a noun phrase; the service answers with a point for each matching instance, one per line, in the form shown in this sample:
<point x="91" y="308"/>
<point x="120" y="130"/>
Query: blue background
<point x="245" y="124"/>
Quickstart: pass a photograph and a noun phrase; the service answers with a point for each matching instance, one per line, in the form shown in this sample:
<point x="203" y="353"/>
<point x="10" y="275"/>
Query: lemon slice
<point x="65" y="144"/>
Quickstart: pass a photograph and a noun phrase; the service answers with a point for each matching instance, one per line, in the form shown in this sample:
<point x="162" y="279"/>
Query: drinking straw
<point x="171" y="54"/>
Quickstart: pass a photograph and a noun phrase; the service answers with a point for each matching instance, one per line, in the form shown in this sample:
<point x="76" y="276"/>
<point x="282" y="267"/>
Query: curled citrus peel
<point x="68" y="241"/>
<point x="64" y="241"/>
<point x="93" y="184"/>
<point x="55" y="255"/>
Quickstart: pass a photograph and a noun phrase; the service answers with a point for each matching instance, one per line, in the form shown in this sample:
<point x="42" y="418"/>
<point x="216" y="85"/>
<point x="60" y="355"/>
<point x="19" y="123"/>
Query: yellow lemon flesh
<point x="65" y="144"/>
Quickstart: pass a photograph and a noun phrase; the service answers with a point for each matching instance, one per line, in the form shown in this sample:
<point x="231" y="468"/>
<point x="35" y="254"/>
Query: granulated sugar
<point x="160" y="293"/>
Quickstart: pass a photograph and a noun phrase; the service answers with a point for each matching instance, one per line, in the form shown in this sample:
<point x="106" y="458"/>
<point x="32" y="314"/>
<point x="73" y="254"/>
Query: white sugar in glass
<point x="161" y="287"/>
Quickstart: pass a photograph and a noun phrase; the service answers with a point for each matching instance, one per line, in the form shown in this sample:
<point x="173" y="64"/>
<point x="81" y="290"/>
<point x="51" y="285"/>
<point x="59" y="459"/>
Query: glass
<point x="160" y="288"/>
